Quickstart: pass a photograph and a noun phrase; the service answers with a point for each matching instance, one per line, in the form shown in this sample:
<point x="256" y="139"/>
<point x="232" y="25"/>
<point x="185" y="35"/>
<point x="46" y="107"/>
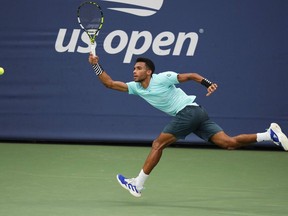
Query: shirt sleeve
<point x="132" y="88"/>
<point x="169" y="77"/>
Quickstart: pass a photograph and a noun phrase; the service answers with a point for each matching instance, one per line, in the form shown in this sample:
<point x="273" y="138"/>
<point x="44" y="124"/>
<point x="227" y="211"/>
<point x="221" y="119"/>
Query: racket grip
<point x="93" y="49"/>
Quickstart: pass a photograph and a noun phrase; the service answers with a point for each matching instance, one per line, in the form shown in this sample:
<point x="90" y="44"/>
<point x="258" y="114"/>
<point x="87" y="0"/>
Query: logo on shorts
<point x="136" y="7"/>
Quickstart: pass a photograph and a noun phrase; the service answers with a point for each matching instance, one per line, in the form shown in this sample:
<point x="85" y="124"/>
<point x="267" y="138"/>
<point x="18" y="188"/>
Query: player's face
<point x="141" y="72"/>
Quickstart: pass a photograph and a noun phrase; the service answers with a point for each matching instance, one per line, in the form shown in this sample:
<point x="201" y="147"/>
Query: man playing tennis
<point x="187" y="116"/>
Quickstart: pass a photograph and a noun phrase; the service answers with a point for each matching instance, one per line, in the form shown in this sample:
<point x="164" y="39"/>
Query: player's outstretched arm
<point x="104" y="77"/>
<point x="211" y="87"/>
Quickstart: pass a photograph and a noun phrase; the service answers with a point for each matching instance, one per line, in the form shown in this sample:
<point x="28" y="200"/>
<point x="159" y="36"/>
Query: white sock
<point x="141" y="178"/>
<point x="263" y="136"/>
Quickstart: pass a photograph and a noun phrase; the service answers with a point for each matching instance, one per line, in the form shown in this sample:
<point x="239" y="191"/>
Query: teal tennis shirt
<point x="162" y="93"/>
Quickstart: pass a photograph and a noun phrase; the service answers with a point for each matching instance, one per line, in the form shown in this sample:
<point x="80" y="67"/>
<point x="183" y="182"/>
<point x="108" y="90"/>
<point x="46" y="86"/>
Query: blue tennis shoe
<point x="129" y="184"/>
<point x="277" y="136"/>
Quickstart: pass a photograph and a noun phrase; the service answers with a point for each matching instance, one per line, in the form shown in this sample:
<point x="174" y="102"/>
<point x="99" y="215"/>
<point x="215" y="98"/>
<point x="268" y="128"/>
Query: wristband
<point x="205" y="82"/>
<point x="98" y="69"/>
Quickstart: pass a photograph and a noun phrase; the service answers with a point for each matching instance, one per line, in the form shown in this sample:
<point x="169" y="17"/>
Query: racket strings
<point x="90" y="17"/>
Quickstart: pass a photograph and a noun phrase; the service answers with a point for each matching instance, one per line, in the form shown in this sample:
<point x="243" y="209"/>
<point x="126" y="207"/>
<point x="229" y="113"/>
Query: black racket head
<point x="90" y="17"/>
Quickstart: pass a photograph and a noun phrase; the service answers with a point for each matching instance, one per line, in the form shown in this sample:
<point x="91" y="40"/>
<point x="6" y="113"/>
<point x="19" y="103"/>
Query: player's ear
<point x="149" y="72"/>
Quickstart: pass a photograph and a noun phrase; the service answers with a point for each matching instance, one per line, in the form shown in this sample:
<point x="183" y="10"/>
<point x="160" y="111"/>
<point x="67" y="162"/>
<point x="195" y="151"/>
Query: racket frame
<point x="92" y="33"/>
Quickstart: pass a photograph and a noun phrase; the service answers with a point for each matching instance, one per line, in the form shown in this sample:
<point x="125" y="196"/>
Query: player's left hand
<point x="211" y="89"/>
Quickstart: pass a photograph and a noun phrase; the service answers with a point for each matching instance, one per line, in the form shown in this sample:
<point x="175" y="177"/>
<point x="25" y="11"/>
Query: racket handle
<point x="93" y="49"/>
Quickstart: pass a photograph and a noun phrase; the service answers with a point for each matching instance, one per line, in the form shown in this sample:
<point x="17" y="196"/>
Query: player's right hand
<point x="93" y="59"/>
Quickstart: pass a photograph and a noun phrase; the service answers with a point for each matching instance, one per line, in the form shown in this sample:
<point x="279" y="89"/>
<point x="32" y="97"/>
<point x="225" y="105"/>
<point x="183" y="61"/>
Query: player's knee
<point x="158" y="146"/>
<point x="228" y="143"/>
<point x="224" y="141"/>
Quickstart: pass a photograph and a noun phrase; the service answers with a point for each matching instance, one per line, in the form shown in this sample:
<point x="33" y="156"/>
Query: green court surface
<point x="80" y="180"/>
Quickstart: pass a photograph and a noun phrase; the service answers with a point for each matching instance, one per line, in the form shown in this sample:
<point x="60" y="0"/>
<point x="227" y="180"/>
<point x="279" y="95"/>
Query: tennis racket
<point x="90" y="18"/>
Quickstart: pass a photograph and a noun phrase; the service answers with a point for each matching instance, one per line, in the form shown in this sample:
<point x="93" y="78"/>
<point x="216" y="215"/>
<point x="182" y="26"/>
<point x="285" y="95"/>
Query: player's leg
<point x="136" y="185"/>
<point x="224" y="141"/>
<point x="163" y="140"/>
<point x="274" y="134"/>
<point x="210" y="131"/>
<point x="184" y="123"/>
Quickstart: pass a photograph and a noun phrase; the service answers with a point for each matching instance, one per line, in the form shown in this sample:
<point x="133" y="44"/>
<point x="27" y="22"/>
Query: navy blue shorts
<point x="192" y="119"/>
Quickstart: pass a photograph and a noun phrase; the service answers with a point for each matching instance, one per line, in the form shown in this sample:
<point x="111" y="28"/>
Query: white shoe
<point x="277" y="136"/>
<point x="129" y="184"/>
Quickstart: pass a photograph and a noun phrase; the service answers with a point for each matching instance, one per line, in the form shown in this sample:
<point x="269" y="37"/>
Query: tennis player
<point x="187" y="116"/>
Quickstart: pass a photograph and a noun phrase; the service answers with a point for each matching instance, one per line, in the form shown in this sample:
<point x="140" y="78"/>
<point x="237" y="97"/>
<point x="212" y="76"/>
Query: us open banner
<point x="49" y="91"/>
